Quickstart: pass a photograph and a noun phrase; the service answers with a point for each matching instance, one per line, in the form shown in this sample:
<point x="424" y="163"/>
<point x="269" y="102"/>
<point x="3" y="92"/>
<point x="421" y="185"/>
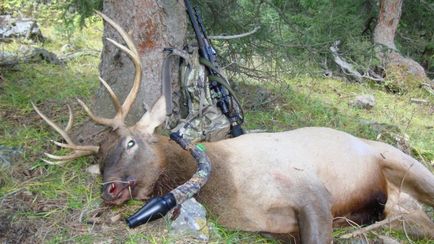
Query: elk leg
<point x="314" y="216"/>
<point x="406" y="173"/>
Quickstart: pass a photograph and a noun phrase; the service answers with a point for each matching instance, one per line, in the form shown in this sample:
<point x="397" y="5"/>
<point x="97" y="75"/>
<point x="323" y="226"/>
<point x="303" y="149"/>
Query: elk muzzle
<point x="115" y="192"/>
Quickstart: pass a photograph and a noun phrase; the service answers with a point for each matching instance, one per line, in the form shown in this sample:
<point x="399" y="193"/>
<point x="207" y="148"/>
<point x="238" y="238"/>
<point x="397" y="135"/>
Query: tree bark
<point x="153" y="26"/>
<point x="387" y="24"/>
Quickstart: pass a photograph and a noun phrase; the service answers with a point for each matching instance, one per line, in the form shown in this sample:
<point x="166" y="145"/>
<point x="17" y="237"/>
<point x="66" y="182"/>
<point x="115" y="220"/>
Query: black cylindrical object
<point x="156" y="208"/>
<point x="236" y="130"/>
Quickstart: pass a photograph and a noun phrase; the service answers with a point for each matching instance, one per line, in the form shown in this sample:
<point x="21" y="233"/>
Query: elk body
<point x="299" y="182"/>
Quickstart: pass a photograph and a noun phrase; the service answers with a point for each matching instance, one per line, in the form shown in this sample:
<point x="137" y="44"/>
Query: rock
<point x="45" y="55"/>
<point x="8" y="58"/>
<point x="27" y="55"/>
<point x="19" y="27"/>
<point x="9" y="155"/>
<point x="93" y="170"/>
<point x="115" y="218"/>
<point x="191" y="222"/>
<point x="327" y="73"/>
<point x="363" y="101"/>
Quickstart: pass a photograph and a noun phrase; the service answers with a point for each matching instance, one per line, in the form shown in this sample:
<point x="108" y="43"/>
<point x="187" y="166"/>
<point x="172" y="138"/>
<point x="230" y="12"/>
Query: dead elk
<point x="296" y="182"/>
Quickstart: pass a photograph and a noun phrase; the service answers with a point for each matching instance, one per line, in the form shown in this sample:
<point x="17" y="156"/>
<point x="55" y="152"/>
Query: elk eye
<point x="131" y="144"/>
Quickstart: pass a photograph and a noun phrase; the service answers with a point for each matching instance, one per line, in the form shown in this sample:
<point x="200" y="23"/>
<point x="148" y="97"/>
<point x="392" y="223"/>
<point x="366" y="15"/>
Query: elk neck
<point x="177" y="165"/>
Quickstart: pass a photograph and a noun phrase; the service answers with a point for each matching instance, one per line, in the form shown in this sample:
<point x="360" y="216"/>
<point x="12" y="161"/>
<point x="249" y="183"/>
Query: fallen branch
<point x="419" y="101"/>
<point x="70" y="56"/>
<point x="31" y="55"/>
<point x="368" y="228"/>
<point x="224" y="37"/>
<point x="348" y="68"/>
<point x="39" y="54"/>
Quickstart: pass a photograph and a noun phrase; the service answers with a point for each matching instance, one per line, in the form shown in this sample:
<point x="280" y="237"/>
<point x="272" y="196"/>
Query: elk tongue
<point x="156" y="208"/>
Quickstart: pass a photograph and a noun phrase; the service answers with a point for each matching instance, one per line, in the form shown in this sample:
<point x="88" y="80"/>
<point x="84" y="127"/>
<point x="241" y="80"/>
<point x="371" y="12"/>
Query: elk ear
<point x="153" y="118"/>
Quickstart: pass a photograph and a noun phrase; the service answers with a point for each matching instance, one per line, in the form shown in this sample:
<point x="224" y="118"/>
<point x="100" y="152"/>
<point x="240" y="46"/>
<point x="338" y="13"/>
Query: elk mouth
<point x="115" y="192"/>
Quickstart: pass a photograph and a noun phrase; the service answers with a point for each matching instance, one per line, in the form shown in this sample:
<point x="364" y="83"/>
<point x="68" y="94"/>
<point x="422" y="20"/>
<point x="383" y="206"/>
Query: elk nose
<point x="111" y="190"/>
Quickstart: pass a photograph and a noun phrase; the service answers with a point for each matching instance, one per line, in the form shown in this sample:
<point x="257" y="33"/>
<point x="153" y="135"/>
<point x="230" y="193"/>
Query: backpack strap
<point x="166" y="74"/>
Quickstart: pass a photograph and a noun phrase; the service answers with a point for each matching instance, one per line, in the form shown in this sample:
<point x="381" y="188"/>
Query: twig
<point x="405" y="232"/>
<point x="224" y="37"/>
<point x="428" y="5"/>
<point x="352" y="223"/>
<point x="409" y="120"/>
<point x="368" y="228"/>
<point x="418" y="101"/>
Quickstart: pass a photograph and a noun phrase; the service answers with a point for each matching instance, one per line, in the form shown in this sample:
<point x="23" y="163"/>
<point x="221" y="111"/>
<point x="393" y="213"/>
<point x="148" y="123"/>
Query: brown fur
<point x="366" y="205"/>
<point x="177" y="166"/>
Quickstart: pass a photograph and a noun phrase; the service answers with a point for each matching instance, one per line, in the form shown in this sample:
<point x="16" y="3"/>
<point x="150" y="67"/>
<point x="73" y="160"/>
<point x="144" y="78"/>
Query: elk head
<point x="130" y="164"/>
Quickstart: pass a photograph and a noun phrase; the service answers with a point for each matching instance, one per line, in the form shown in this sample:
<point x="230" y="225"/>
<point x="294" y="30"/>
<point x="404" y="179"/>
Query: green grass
<point x="315" y="101"/>
<point x="64" y="199"/>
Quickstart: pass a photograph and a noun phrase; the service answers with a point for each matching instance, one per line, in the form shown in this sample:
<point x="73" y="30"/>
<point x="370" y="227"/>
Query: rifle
<point x="226" y="100"/>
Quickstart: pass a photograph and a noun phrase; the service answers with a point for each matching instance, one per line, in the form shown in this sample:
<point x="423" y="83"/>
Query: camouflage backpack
<point x="199" y="117"/>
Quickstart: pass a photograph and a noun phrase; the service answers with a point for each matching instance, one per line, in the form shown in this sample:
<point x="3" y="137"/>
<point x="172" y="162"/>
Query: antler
<point x="118" y="121"/>
<point x="78" y="150"/>
<point x="121" y="110"/>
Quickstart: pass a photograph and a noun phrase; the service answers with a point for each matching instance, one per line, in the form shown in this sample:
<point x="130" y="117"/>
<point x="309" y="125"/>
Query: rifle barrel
<point x="196" y="29"/>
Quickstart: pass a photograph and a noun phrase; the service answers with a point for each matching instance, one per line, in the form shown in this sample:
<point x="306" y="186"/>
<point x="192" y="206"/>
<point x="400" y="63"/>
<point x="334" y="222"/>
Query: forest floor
<point x="52" y="204"/>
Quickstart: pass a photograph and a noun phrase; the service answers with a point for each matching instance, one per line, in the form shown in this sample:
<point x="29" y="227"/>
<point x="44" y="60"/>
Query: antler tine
<point x="71" y="118"/>
<point x="79" y="150"/>
<point x="114" y="123"/>
<point x="60" y="162"/>
<point x="54" y="126"/>
<point x="113" y="96"/>
<point x="71" y="156"/>
<point x="121" y="110"/>
<point x="76" y="147"/>
<point x="134" y="55"/>
<point x="65" y="158"/>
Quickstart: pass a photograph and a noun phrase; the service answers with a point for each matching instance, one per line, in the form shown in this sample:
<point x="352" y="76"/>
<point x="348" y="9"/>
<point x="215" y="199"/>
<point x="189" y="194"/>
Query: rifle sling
<point x="221" y="79"/>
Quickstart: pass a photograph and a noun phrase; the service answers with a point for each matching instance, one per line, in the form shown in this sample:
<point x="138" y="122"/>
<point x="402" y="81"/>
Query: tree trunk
<point x="388" y="20"/>
<point x="400" y="69"/>
<point x="153" y="25"/>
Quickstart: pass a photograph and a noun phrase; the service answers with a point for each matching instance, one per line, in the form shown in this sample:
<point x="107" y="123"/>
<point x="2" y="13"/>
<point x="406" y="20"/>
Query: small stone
<point x="93" y="170"/>
<point x="19" y="28"/>
<point x="115" y="218"/>
<point x="363" y="101"/>
<point x="9" y="155"/>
